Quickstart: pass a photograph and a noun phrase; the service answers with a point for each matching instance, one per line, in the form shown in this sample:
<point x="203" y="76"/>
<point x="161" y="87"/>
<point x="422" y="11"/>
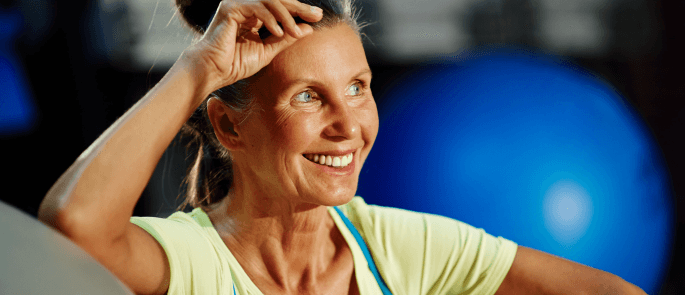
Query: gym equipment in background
<point x="530" y="148"/>
<point x="35" y="259"/>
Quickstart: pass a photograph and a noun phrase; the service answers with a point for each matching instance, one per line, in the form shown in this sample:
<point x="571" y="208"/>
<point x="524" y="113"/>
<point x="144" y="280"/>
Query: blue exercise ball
<point x="532" y="149"/>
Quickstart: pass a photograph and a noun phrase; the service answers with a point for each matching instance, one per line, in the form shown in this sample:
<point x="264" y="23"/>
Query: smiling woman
<point x="284" y="122"/>
<point x="211" y="176"/>
<point x="312" y="99"/>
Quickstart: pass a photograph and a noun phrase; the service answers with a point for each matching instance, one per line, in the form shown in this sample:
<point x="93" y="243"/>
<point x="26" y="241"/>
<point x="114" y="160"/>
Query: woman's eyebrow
<point x="310" y="81"/>
<point x="300" y="81"/>
<point x="364" y="72"/>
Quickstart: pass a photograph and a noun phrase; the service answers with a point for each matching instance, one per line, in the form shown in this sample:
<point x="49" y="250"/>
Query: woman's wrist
<point x="204" y="80"/>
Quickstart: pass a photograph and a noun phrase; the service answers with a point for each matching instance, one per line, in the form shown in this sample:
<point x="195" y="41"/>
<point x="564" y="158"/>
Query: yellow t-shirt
<point x="415" y="253"/>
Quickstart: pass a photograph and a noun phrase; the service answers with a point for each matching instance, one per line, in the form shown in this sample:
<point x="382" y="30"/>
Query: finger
<point x="285" y="17"/>
<point x="259" y="11"/>
<point x="306" y="12"/>
<point x="224" y="20"/>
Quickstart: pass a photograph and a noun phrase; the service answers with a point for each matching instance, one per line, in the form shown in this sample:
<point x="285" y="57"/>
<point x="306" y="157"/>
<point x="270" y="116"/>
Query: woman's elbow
<point x="49" y="212"/>
<point x="75" y="224"/>
<point x="56" y="217"/>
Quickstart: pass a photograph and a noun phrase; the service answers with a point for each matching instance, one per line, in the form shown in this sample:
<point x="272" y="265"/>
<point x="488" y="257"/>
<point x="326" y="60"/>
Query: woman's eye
<point x="304" y="96"/>
<point x="354" y="89"/>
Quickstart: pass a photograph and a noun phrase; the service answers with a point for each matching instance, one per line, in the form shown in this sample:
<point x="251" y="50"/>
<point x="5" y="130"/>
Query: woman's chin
<point x="341" y="200"/>
<point x="330" y="200"/>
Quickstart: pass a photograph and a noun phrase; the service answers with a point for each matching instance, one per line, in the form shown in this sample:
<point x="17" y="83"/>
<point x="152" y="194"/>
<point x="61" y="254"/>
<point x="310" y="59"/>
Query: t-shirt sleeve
<point x="430" y="254"/>
<point x="470" y="261"/>
<point x="192" y="259"/>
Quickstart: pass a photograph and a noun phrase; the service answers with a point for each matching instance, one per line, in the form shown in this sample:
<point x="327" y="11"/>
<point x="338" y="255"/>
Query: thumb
<point x="274" y="45"/>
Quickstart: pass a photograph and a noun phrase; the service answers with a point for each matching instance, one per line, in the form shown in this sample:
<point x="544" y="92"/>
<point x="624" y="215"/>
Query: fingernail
<point x="280" y="31"/>
<point x="316" y="10"/>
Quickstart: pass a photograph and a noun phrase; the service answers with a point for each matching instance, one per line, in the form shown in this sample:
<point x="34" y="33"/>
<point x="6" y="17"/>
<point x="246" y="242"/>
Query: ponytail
<point x="210" y="176"/>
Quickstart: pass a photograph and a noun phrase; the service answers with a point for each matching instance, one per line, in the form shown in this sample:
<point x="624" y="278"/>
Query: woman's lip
<point x="336" y="153"/>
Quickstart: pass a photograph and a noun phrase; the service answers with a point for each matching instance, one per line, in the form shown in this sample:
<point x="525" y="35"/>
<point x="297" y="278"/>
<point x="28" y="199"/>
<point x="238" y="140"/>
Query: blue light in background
<point x="567" y="210"/>
<point x="18" y="114"/>
<point x="531" y="149"/>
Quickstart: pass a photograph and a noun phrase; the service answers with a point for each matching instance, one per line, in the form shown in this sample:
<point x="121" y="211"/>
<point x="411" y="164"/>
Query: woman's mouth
<point x="331" y="161"/>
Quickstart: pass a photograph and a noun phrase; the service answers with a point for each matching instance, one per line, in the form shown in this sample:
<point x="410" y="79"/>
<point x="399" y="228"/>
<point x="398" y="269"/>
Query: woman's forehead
<point x="328" y="55"/>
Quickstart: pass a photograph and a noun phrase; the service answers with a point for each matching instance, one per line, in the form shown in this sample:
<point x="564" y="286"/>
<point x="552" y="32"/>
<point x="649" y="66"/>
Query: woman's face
<point x="313" y="111"/>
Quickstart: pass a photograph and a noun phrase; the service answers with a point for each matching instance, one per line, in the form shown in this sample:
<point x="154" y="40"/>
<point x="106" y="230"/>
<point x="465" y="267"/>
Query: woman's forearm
<point x="97" y="194"/>
<point x="536" y="272"/>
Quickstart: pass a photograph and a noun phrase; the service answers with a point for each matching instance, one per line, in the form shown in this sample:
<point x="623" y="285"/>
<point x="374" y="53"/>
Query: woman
<point x="282" y="142"/>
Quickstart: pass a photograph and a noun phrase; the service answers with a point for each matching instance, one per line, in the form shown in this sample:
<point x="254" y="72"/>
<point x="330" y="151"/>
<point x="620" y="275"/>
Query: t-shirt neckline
<point x="242" y="281"/>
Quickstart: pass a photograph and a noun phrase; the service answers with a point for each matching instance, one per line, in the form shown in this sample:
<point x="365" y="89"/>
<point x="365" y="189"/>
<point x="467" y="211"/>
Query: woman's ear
<point x="224" y="121"/>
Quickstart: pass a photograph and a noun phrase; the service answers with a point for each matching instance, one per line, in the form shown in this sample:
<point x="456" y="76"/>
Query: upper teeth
<point x="329" y="160"/>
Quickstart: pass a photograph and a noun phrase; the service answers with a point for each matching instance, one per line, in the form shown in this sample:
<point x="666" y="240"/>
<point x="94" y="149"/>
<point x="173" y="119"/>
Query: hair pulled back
<point x="210" y="177"/>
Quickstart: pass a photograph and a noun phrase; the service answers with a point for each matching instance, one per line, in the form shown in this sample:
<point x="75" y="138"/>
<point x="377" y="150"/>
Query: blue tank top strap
<point x="365" y="249"/>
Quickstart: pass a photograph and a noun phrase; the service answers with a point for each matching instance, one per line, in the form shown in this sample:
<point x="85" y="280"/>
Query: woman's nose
<point x="342" y="123"/>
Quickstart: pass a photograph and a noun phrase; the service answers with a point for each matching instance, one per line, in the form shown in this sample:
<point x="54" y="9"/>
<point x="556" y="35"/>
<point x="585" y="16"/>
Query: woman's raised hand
<point x="92" y="202"/>
<point x="231" y="49"/>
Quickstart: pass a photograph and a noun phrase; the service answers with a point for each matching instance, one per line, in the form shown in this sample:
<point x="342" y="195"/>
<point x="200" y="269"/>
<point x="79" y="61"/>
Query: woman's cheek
<point x="284" y="115"/>
<point x="370" y="119"/>
<point x="296" y="129"/>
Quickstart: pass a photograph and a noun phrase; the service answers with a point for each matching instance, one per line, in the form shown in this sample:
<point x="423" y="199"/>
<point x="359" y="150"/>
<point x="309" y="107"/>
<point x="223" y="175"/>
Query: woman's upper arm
<point x="148" y="270"/>
<point x="134" y="255"/>
<point x="536" y="272"/>
<point x="138" y="260"/>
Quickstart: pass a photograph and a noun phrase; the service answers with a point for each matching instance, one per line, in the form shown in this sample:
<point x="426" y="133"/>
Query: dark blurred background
<point x="71" y="68"/>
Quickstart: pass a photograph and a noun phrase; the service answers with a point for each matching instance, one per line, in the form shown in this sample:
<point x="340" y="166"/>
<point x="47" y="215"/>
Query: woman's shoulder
<point x="441" y="251"/>
<point x="192" y="247"/>
<point x="179" y="222"/>
<point x="188" y="234"/>
<point x="374" y="219"/>
<point x="180" y="234"/>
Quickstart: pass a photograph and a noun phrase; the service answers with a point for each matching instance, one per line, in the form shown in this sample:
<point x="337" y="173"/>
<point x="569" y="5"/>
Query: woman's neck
<point x="282" y="246"/>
